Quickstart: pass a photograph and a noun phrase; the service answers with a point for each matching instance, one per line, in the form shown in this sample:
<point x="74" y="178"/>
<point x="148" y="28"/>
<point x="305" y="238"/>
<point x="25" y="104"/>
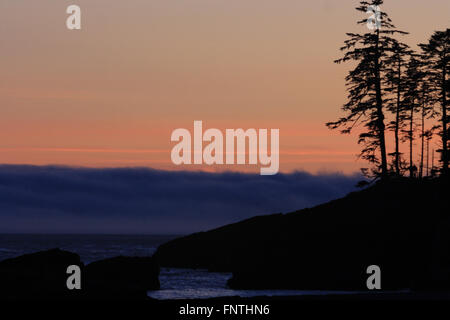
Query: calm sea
<point x="89" y="247"/>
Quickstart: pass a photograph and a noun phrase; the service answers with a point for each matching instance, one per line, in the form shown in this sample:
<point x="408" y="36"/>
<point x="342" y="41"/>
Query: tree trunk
<point x="397" y="124"/>
<point x="411" y="138"/>
<point x="444" y="124"/>
<point x="380" y="115"/>
<point x="422" y="141"/>
<point x="432" y="161"/>
<point x="428" y="156"/>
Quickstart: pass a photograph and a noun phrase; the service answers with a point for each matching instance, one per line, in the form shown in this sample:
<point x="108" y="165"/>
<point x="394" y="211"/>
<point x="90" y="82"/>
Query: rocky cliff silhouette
<point x="401" y="225"/>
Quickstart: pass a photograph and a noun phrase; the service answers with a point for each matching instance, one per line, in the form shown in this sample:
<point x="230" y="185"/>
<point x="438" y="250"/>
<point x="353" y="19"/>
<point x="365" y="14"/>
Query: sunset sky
<point x="110" y="94"/>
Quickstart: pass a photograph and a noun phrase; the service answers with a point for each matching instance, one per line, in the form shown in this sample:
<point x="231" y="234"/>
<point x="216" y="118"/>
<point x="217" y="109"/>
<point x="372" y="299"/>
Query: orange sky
<point x="112" y="93"/>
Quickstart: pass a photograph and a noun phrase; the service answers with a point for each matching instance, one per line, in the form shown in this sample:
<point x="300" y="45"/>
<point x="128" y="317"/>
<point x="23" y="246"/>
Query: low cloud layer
<point x="138" y="200"/>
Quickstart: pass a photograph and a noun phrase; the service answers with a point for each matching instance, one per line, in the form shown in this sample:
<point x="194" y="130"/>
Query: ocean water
<point x="201" y="284"/>
<point x="175" y="283"/>
<point x="89" y="247"/>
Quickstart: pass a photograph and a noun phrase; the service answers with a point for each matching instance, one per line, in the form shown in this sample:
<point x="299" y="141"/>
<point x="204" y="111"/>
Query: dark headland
<point x="401" y="225"/>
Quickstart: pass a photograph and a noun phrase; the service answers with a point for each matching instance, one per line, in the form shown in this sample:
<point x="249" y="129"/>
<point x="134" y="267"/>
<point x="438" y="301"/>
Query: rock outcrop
<point x="43" y="275"/>
<point x="38" y="275"/>
<point x="124" y="277"/>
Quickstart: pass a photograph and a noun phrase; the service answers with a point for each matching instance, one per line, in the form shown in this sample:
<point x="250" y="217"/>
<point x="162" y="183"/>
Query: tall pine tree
<point x="437" y="56"/>
<point x="396" y="82"/>
<point x="414" y="78"/>
<point x="366" y="101"/>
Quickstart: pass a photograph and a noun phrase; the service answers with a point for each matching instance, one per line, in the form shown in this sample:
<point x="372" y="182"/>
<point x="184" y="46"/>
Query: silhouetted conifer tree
<point x="426" y="112"/>
<point x="415" y="78"/>
<point x="437" y="57"/>
<point x="396" y="82"/>
<point x="366" y="101"/>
